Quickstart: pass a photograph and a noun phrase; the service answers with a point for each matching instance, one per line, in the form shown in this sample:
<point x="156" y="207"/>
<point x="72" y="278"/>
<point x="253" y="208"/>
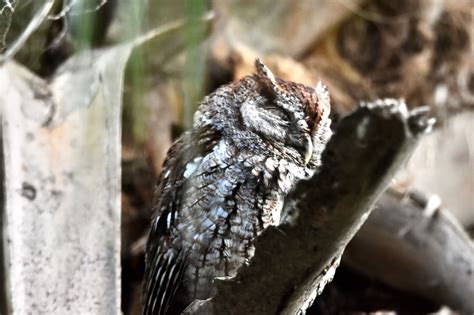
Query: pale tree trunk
<point x="61" y="199"/>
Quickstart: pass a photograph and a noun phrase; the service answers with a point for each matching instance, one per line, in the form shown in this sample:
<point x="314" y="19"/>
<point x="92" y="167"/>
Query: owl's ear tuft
<point x="266" y="79"/>
<point x="323" y="96"/>
<point x="263" y="72"/>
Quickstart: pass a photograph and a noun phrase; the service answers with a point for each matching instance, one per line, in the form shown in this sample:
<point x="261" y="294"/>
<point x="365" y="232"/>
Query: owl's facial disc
<point x="268" y="124"/>
<point x="278" y="126"/>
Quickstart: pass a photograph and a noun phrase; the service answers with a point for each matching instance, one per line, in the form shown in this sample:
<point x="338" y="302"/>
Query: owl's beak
<point x="308" y="149"/>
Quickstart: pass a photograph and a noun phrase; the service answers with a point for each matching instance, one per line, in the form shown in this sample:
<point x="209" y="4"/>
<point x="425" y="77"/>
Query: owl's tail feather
<point x="163" y="277"/>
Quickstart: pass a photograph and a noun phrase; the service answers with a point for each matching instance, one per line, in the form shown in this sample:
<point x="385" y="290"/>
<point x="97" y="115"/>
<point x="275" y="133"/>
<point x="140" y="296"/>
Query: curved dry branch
<point x="35" y="22"/>
<point x="7" y="8"/>
<point x="410" y="243"/>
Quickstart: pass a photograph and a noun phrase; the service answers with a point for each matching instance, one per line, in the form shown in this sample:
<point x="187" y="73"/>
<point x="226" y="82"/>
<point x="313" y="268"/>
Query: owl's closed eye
<point x="277" y="114"/>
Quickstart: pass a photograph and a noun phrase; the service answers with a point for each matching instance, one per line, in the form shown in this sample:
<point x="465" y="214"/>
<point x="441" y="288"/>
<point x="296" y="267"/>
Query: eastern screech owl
<point x="225" y="181"/>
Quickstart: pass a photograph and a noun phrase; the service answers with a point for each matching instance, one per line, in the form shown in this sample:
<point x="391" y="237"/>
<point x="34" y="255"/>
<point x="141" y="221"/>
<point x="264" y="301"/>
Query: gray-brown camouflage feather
<point x="225" y="181"/>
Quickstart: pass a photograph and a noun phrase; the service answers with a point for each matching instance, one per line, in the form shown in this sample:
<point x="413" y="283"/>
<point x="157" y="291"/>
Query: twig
<point x="172" y="26"/>
<point x="35" y="22"/>
<point x="6" y="13"/>
<point x="67" y="9"/>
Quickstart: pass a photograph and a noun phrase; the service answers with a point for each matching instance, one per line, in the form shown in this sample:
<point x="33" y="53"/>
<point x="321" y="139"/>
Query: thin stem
<point x="37" y="20"/>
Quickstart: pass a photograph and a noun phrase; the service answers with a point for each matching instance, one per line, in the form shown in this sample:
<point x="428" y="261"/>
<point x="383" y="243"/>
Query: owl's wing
<point x="163" y="278"/>
<point x="165" y="264"/>
<point x="164" y="267"/>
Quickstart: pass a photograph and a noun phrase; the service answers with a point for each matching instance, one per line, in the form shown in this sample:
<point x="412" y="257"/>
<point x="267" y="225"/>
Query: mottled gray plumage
<point x="225" y="181"/>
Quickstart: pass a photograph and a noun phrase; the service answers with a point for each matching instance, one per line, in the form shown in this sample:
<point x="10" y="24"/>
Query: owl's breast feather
<point x="192" y="166"/>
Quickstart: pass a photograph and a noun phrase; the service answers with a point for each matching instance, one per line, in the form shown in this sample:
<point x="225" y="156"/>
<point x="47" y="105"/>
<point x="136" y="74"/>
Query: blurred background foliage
<point x="420" y="50"/>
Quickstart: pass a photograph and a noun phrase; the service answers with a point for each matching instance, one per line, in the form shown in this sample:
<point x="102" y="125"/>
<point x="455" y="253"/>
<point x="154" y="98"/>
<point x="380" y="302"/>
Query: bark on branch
<point x="412" y="244"/>
<point x="294" y="261"/>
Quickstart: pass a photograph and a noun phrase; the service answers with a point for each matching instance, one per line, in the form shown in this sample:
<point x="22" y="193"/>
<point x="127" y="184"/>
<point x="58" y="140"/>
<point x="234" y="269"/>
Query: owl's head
<point x="292" y="117"/>
<point x="266" y="116"/>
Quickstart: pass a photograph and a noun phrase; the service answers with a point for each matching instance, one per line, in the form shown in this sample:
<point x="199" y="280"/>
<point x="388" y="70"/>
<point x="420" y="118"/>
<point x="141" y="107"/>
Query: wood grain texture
<point x="412" y="244"/>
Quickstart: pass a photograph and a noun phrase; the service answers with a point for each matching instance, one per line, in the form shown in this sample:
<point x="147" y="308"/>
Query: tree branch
<point x="294" y="261"/>
<point x="6" y="11"/>
<point x="412" y="244"/>
<point x="35" y="22"/>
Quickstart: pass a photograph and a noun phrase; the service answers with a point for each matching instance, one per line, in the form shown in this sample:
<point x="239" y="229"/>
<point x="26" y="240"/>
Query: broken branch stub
<point x="294" y="261"/>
